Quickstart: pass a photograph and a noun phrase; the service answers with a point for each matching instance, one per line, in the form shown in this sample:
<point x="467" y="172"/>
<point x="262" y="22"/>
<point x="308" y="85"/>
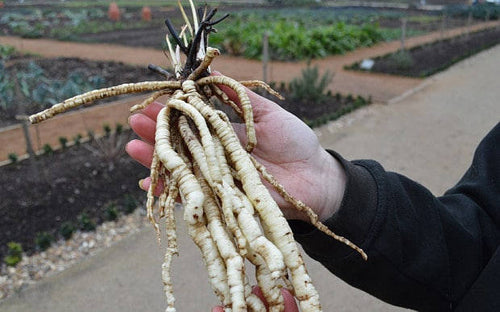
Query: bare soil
<point x="41" y="195"/>
<point x="427" y="59"/>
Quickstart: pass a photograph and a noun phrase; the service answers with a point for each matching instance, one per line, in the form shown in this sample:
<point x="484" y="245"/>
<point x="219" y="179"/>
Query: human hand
<point x="289" y="301"/>
<point x="286" y="146"/>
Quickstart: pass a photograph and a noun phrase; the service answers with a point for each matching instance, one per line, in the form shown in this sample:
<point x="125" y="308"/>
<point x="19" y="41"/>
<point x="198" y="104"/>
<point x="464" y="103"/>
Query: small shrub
<point x="402" y="60"/>
<point x="107" y="129"/>
<point x="360" y="101"/>
<point x="63" y="141"/>
<point x="14" y="254"/>
<point x="85" y="223"/>
<point x="13" y="158"/>
<point x="310" y="86"/>
<point x="77" y="139"/>
<point x="67" y="229"/>
<point x="338" y="96"/>
<point x="129" y="203"/>
<point x="119" y="128"/>
<point x="111" y="212"/>
<point x="43" y="240"/>
<point x="6" y="51"/>
<point x="47" y="149"/>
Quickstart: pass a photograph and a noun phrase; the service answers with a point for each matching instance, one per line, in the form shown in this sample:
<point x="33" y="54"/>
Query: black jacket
<point x="424" y="252"/>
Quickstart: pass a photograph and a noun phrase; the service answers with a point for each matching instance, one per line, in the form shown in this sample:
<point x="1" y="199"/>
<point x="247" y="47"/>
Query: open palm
<point x="286" y="146"/>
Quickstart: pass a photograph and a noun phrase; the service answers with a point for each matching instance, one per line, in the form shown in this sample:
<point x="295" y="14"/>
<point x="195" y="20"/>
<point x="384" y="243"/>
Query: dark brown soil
<point x="425" y="60"/>
<point x="40" y="197"/>
<point x="146" y="37"/>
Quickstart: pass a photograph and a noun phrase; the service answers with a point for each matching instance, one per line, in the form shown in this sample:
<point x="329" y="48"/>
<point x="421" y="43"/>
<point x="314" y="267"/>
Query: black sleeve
<point x="424" y="252"/>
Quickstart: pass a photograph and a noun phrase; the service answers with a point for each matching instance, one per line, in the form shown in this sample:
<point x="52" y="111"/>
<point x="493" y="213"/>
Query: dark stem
<point x="174" y="34"/>
<point x="160" y="70"/>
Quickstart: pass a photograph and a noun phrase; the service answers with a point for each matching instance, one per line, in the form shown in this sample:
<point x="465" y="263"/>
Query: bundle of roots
<point x="230" y="214"/>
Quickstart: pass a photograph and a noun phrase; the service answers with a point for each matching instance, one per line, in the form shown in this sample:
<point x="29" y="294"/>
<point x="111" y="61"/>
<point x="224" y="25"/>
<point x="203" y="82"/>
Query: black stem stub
<point x="204" y="29"/>
<point x="160" y="70"/>
<point x="174" y="34"/>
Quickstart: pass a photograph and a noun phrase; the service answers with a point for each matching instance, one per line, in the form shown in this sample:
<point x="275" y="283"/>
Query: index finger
<point x="151" y="111"/>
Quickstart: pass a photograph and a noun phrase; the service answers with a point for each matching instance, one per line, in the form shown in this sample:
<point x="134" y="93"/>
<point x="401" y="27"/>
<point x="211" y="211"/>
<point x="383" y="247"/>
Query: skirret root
<point x="230" y="214"/>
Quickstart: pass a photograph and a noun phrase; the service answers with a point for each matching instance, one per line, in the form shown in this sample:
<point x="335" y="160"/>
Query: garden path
<point x="382" y="88"/>
<point x="429" y="136"/>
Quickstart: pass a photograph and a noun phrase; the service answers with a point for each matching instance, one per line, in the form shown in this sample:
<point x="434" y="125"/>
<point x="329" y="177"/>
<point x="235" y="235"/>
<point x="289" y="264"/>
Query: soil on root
<point x="428" y="59"/>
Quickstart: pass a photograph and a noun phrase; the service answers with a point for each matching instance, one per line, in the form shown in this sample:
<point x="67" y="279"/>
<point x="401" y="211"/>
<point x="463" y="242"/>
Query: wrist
<point x="332" y="183"/>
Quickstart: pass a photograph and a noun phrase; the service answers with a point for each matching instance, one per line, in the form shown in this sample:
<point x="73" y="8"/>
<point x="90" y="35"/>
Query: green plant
<point x="6" y="52"/>
<point x="310" y="86"/>
<point x="107" y="130"/>
<point x="6" y="89"/>
<point x="63" y="141"/>
<point x="14" y="254"/>
<point x="119" y="128"/>
<point x="43" y="240"/>
<point x="293" y="37"/>
<point x="129" y="203"/>
<point x="47" y="149"/>
<point x="111" y="213"/>
<point x="67" y="229"/>
<point x="85" y="223"/>
<point x="77" y="139"/>
<point x="13" y="157"/>
<point x="402" y="60"/>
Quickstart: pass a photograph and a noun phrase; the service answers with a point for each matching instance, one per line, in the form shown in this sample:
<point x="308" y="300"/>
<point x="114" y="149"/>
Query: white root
<point x="263" y="85"/>
<point x="171" y="249"/>
<point x="149" y="100"/>
<point x="94" y="95"/>
<point x="245" y="104"/>
<point x="300" y="206"/>
<point x="270" y="214"/>
<point x="193" y="199"/>
<point x="154" y="174"/>
<point x="233" y="260"/>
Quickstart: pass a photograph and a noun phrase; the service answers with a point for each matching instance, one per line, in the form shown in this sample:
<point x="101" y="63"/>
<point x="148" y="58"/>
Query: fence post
<point x="443" y="26"/>
<point x="403" y="33"/>
<point x="265" y="55"/>
<point x="469" y="22"/>
<point x="35" y="171"/>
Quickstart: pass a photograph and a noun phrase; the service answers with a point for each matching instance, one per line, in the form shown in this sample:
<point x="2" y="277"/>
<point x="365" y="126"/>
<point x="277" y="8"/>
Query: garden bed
<point x="78" y="184"/>
<point x="40" y="82"/>
<point x="428" y="59"/>
<point x="295" y="33"/>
